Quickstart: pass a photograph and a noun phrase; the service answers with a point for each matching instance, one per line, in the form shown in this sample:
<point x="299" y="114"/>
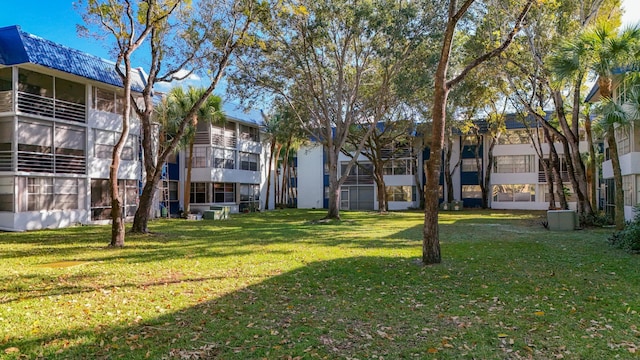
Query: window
<point x="469" y="165"/>
<point x="107" y="100"/>
<point x="66" y="194"/>
<point x="105" y="140"/>
<point x="173" y="191"/>
<point x="6" y="79"/>
<point x="623" y="140"/>
<point x="101" y="198"/>
<point x="6" y="194"/>
<point x="361" y="173"/>
<point x="224" y="135"/>
<point x="471" y="192"/>
<point x="514" y="192"/>
<point x="398" y="167"/>
<point x="224" y="192"/>
<point x="249" y="161"/>
<point x="400" y="193"/>
<point x="514" y="164"/>
<point x="35" y="141"/>
<point x="249" y="192"/>
<point x="199" y="193"/>
<point x="39" y="194"/>
<point x="200" y="157"/>
<point x="249" y="133"/>
<point x="224" y="159"/>
<point x="627" y="188"/>
<point x="513" y="137"/>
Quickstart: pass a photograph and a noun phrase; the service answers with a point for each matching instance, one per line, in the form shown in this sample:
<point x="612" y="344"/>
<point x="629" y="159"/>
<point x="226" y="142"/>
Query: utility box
<point x="561" y="220"/>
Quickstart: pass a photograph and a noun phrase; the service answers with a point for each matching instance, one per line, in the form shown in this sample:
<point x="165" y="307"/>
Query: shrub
<point x="597" y="219"/>
<point x="628" y="239"/>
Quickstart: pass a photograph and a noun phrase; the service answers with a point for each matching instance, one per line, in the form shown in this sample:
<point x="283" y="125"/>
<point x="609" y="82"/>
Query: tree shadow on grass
<point x="335" y="309"/>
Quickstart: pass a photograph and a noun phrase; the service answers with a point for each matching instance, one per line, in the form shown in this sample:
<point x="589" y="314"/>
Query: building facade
<point x="60" y="116"/>
<point x="518" y="180"/>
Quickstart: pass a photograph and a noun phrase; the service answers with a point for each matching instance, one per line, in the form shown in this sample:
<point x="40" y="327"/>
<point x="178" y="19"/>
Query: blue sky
<point x="56" y="20"/>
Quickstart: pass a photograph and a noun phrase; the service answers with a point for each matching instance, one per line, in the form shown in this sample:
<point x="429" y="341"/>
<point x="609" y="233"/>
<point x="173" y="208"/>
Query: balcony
<point x="49" y="107"/>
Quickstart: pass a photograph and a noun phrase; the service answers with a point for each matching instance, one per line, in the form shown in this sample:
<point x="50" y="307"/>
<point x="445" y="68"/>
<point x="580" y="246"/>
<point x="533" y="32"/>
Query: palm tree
<point x="180" y="102"/>
<point x="603" y="51"/>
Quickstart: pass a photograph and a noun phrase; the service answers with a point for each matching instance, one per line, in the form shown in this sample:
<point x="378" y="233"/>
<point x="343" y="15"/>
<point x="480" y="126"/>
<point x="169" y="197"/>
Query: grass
<point x="278" y="285"/>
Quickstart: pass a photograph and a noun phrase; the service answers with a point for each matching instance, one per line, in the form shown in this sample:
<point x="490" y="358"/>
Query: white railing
<point x="35" y="162"/>
<point x="6" y="161"/>
<point x="48" y="107"/>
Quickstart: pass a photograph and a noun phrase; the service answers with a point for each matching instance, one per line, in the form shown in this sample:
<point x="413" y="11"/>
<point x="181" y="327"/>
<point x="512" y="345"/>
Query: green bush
<point x="628" y="239"/>
<point x="597" y="219"/>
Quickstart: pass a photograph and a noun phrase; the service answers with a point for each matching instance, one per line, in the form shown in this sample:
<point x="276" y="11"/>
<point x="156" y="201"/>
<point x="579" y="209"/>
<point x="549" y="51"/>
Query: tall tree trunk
<point x="431" y="237"/>
<point x="557" y="175"/>
<point x="448" y="174"/>
<point x="187" y="180"/>
<point x="334" y="186"/>
<point x="117" y="214"/>
<point x="145" y="202"/>
<point x="571" y="144"/>
<point x="285" y="173"/>
<point x="378" y="176"/>
<point x="486" y="189"/>
<point x="272" y="148"/>
<point x="617" y="178"/>
<point x="592" y="164"/>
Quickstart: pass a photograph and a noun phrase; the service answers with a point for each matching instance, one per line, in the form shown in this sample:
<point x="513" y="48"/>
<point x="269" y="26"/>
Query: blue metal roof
<point x="18" y="47"/>
<point x="240" y="114"/>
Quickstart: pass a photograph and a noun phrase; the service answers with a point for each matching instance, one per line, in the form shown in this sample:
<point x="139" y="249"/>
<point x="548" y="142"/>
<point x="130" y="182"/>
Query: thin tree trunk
<point x="145" y="202"/>
<point x="557" y="176"/>
<point x="269" y="173"/>
<point x="448" y="176"/>
<point x="378" y="176"/>
<point x="334" y="187"/>
<point x="592" y="164"/>
<point x="486" y="191"/>
<point x="617" y="178"/>
<point x="117" y="214"/>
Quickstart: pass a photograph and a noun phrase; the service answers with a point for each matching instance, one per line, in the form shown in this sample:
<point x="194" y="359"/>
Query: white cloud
<point x="189" y="79"/>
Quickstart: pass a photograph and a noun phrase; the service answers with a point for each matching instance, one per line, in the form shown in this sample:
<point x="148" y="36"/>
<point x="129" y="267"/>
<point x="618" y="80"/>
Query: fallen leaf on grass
<point x="11" y="350"/>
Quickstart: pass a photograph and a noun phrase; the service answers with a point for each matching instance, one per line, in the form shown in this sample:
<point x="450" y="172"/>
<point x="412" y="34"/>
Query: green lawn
<point x="278" y="285"/>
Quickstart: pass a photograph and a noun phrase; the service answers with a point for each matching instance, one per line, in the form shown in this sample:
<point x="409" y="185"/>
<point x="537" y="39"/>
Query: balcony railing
<point x="49" y="163"/>
<point x="542" y="178"/>
<point x="6" y="162"/>
<point x="48" y="107"/>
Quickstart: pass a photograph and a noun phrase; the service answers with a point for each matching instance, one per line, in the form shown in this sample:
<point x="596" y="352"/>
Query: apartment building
<point x="228" y="166"/>
<point x="628" y="143"/>
<point x="60" y="116"/>
<point x="518" y="180"/>
<point x="359" y="189"/>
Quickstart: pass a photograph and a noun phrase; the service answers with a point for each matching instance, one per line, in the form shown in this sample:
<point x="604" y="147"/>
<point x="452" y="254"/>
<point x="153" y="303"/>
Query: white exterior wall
<point x="237" y="176"/>
<point x="523" y="178"/>
<point x="310" y="177"/>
